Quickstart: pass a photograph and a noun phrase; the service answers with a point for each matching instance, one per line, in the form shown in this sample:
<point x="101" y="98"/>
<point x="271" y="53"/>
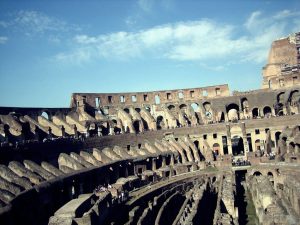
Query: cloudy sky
<point x="50" y="49"/>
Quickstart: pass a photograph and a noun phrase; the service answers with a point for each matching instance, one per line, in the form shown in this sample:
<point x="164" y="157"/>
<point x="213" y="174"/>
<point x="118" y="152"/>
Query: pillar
<point x="229" y="144"/>
<point x="245" y="142"/>
<point x="172" y="161"/>
<point x="164" y="163"/>
<point x="153" y="164"/>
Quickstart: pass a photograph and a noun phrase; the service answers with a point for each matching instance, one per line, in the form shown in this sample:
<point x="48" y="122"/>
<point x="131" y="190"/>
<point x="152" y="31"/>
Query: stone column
<point x="164" y="163"/>
<point x="229" y="144"/>
<point x="153" y="164"/>
<point x="172" y="161"/>
<point x="246" y="146"/>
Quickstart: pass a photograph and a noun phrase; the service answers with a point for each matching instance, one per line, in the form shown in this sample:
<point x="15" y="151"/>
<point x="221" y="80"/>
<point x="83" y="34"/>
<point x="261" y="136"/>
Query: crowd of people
<point x="241" y="162"/>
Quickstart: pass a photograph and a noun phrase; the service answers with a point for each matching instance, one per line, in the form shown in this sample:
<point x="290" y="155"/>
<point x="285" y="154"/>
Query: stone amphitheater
<point x="189" y="156"/>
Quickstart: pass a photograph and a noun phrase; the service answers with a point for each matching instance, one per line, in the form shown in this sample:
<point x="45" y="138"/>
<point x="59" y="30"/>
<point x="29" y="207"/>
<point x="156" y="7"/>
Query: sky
<point x="51" y="49"/>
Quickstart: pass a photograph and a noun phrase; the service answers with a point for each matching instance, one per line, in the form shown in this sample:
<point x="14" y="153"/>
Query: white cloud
<point x="33" y="23"/>
<point x="188" y="41"/>
<point x="3" y="39"/>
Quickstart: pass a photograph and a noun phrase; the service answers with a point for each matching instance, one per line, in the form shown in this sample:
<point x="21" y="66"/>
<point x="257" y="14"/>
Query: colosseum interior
<point x="189" y="156"/>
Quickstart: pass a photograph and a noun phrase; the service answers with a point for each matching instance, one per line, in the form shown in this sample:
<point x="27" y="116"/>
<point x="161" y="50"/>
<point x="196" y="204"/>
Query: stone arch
<point x="291" y="147"/>
<point x="195" y="107"/>
<point x="277" y="137"/>
<point x="237" y="145"/>
<point x="216" y="148"/>
<point x="279" y="109"/>
<point x="232" y="111"/>
<point x="136" y="125"/>
<point x="257" y="145"/>
<point x="160" y="122"/>
<point x="182" y="106"/>
<point x="270" y="174"/>
<point x="245" y="104"/>
<point x="255" y="113"/>
<point x="293" y="101"/>
<point x="138" y="110"/>
<point x="208" y="110"/>
<point x="126" y="110"/>
<point x="257" y="173"/>
<point x="171" y="107"/>
<point x="267" y="111"/>
<point x="280" y="97"/>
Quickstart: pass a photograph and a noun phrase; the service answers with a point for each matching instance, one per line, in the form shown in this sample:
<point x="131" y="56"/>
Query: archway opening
<point x="257" y="145"/>
<point x="160" y="122"/>
<point x="216" y="149"/>
<point x="257" y="173"/>
<point x="237" y="145"/>
<point x="277" y="137"/>
<point x="267" y="112"/>
<point x="136" y="125"/>
<point x="232" y="112"/>
<point x="254" y="113"/>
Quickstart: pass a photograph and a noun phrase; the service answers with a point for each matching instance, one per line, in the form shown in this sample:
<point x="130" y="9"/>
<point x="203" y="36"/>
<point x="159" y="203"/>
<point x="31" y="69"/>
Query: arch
<point x="257" y="145"/>
<point x="216" y="148"/>
<point x="237" y="145"/>
<point x="232" y="111"/>
<point x="195" y="107"/>
<point x="182" y="106"/>
<point x="267" y="112"/>
<point x="291" y="146"/>
<point x="255" y="113"/>
<point x="245" y="104"/>
<point x="138" y="110"/>
<point x="136" y="125"/>
<point x="171" y="107"/>
<point x="232" y="106"/>
<point x="279" y="109"/>
<point x="208" y="110"/>
<point x="206" y="106"/>
<point x="257" y="173"/>
<point x="126" y="110"/>
<point x="280" y="97"/>
<point x="160" y="122"/>
<point x="270" y="174"/>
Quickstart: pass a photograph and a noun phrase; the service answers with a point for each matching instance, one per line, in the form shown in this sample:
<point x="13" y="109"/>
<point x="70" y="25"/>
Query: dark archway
<point x="257" y="173"/>
<point x="233" y="112"/>
<point x="255" y="113"/>
<point x="267" y="112"/>
<point x="277" y="137"/>
<point x="160" y="122"/>
<point x="257" y="145"/>
<point x="237" y="145"/>
<point x="136" y="125"/>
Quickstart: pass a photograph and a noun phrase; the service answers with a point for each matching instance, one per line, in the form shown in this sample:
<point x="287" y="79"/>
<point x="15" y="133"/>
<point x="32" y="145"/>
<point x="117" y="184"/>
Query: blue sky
<point x="50" y="49"/>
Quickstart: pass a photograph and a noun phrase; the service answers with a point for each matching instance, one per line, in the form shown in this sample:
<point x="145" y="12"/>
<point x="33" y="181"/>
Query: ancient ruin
<point x="188" y="156"/>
